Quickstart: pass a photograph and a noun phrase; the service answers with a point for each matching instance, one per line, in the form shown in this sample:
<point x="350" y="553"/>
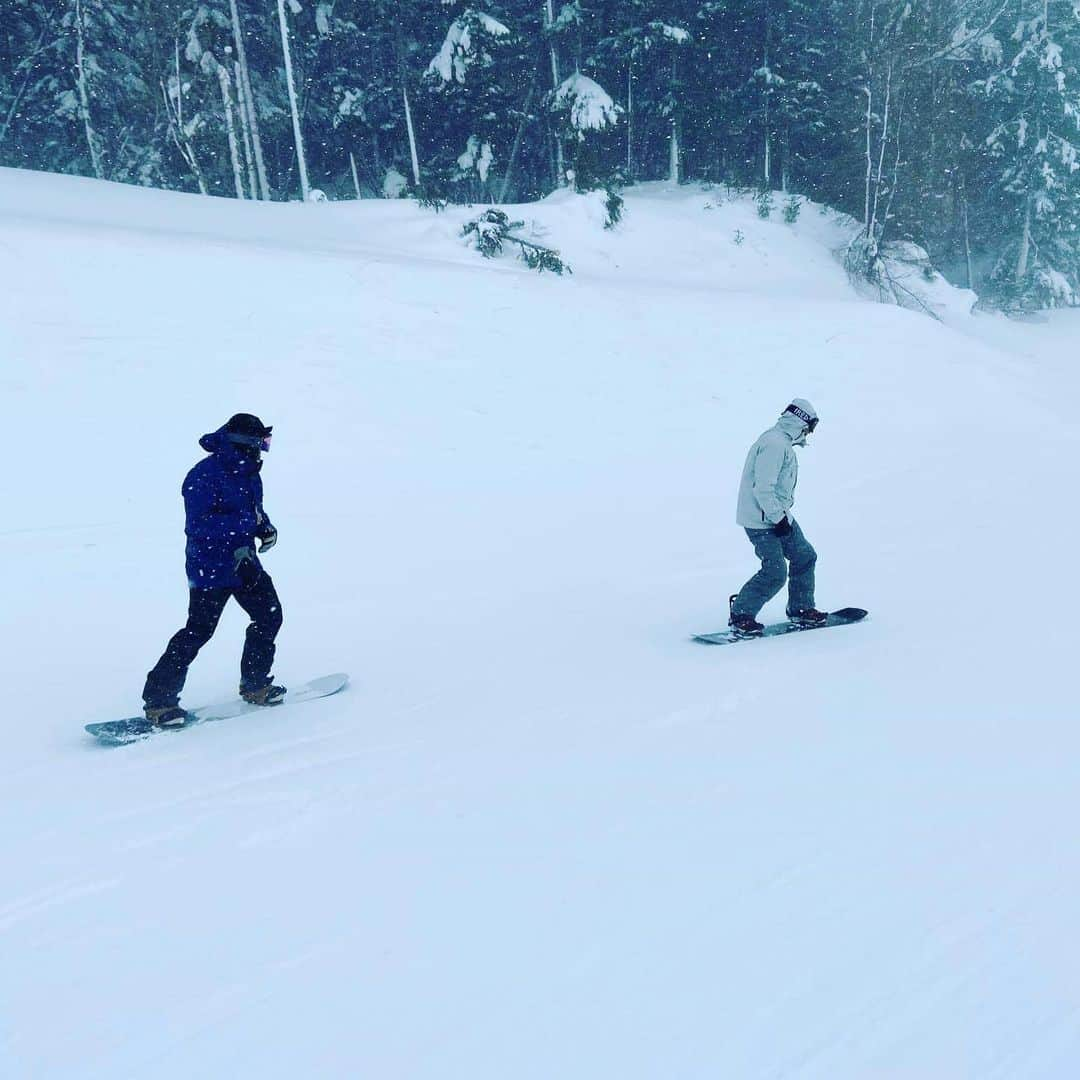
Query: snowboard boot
<point x="270" y="694"/>
<point x="743" y="625"/>
<point x="166" y="715"/>
<point x="808" y="617"/>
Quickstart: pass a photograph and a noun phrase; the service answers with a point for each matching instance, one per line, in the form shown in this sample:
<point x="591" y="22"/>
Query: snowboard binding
<point x="167" y="716"/>
<point x="742" y="626"/>
<point x="271" y="694"/>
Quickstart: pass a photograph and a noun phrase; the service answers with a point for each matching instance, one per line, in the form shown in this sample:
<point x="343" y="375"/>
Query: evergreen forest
<point x="949" y="123"/>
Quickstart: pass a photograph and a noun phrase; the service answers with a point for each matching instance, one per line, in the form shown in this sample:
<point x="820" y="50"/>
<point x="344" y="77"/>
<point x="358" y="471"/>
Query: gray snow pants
<point x="775" y="553"/>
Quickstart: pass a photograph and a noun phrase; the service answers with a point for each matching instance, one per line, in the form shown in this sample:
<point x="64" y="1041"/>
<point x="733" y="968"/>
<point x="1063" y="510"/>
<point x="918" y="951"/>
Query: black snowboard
<point x="836" y="618"/>
<point x="136" y="728"/>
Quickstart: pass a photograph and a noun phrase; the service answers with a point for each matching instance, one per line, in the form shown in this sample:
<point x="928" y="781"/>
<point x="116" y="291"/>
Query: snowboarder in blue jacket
<point x="766" y="495"/>
<point x="223" y="497"/>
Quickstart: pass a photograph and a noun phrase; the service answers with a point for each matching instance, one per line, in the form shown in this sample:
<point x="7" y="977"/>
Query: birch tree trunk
<point x="174" y="110"/>
<point x="399" y="56"/>
<point x="412" y="136"/>
<point x="869" y="156"/>
<point x="355" y="178"/>
<point x="1025" y="245"/>
<point x="519" y="137"/>
<point x="230" y="128"/>
<point x="767" y="178"/>
<point x="630" y="119"/>
<point x="869" y="121"/>
<point x="872" y="226"/>
<point x="175" y="114"/>
<point x="245" y="131"/>
<point x="967" y="234"/>
<point x="556" y="82"/>
<point x="673" y="149"/>
<point x="305" y="187"/>
<point x="899" y="126"/>
<point x="249" y="101"/>
<point x="84" y="94"/>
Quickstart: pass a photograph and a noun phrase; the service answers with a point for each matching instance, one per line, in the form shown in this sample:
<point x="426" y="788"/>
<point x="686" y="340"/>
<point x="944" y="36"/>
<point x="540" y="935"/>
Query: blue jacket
<point x="223" y="505"/>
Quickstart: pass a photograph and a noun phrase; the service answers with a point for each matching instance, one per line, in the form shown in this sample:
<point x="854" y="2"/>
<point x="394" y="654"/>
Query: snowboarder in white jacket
<point x="766" y="495"/>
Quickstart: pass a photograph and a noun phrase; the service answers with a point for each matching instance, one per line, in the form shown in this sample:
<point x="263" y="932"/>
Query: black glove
<point x="782" y="527"/>
<point x="247" y="569"/>
<point x="267" y="539"/>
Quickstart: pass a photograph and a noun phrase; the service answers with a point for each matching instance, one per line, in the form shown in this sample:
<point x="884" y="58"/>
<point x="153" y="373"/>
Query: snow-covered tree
<point x="470" y="43"/>
<point x="947" y="123"/>
<point x="95" y="80"/>
<point x="585" y="106"/>
<point x="1035" y="146"/>
<point x="652" y="44"/>
<point x="788" y="88"/>
<point x="32" y="131"/>
<point x="248" y="110"/>
<point x="184" y="124"/>
<point x="208" y="50"/>
<point x="469" y="87"/>
<point x="584" y="110"/>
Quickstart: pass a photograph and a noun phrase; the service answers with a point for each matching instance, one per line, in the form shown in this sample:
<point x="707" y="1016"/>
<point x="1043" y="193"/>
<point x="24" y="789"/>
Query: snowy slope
<point x="542" y="835"/>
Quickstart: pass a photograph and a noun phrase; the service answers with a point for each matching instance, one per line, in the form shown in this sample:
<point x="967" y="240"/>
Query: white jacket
<point x="767" y="490"/>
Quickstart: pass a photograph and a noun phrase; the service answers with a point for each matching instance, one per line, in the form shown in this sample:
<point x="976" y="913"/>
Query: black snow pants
<point x="259" y="599"/>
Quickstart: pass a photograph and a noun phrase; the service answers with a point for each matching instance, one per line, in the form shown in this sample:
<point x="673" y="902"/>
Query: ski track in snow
<point x="541" y="834"/>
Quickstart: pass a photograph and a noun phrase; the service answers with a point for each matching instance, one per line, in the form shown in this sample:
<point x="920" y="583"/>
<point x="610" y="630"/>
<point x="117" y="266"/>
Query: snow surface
<point x="542" y="835"/>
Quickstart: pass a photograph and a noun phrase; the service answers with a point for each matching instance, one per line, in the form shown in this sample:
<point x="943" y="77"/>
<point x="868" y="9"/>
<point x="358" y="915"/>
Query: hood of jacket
<point x="792" y="426"/>
<point x="217" y="442"/>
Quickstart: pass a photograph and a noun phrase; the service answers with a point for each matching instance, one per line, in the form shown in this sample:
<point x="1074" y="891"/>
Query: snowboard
<point x="836" y="618"/>
<point x="137" y="728"/>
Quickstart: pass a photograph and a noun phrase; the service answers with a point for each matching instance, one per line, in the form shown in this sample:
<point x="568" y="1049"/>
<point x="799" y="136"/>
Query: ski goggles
<point x="253" y="442"/>
<point x="810" y="421"/>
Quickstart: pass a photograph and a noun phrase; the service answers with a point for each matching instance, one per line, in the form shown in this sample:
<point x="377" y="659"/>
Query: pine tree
<point x="1034" y="146"/>
<point x="473" y="92"/>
